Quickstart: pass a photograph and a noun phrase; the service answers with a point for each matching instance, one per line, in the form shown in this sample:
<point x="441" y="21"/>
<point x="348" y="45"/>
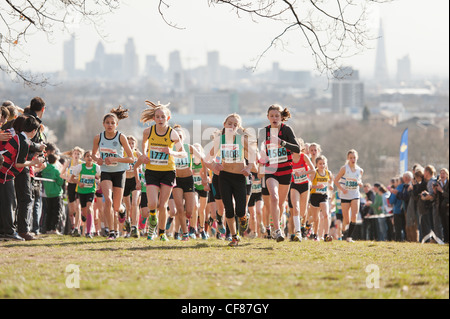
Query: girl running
<point x="74" y="204"/>
<point x="300" y="188"/>
<point x="110" y="145"/>
<point x="201" y="187"/>
<point x="279" y="143"/>
<point x="183" y="192"/>
<point x="321" y="184"/>
<point x="348" y="181"/>
<point x="131" y="194"/>
<point x="158" y="141"/>
<point x="232" y="147"/>
<point x="84" y="176"/>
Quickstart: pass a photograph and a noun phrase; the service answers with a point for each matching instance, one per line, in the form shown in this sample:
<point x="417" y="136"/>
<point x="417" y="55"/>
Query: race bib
<point x="230" y="153"/>
<point x="276" y="154"/>
<point x="322" y="190"/>
<point x="157" y="156"/>
<point x="351" y="183"/>
<point x="301" y="178"/>
<point x="197" y="179"/>
<point x="109" y="152"/>
<point x="87" y="180"/>
<point x="256" y="186"/>
<point x="181" y="163"/>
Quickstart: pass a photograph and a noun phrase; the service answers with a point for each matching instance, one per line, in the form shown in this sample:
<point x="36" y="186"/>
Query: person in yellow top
<point x="158" y="141"/>
<point x="322" y="183"/>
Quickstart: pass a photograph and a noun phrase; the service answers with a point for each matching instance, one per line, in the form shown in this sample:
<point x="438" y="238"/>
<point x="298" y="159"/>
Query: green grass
<point x="137" y="268"/>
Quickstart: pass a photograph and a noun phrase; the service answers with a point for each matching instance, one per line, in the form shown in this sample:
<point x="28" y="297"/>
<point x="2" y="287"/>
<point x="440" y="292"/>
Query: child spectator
<point x="53" y="191"/>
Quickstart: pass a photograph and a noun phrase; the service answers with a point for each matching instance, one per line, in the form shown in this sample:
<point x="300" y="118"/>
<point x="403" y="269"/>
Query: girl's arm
<point x="180" y="152"/>
<point x="338" y="178"/>
<point x="96" y="158"/>
<point x="312" y="169"/>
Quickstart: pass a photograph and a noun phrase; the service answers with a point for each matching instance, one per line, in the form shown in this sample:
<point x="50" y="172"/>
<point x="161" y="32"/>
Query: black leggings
<point x="233" y="186"/>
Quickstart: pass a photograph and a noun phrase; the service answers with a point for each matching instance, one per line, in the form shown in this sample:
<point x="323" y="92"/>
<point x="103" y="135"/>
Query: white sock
<point x="296" y="223"/>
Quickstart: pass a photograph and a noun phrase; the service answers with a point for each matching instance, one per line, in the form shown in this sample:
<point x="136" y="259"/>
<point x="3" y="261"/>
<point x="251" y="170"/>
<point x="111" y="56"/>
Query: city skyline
<point x="427" y="53"/>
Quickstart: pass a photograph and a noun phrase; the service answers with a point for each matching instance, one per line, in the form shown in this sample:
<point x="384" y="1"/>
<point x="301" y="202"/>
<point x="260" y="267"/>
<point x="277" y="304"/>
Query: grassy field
<point x="258" y="268"/>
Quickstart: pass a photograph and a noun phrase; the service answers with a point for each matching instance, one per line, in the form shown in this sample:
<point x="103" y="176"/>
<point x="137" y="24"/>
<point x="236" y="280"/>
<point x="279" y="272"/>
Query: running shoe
<point x="350" y="240"/>
<point x="163" y="237"/>
<point x="221" y="228"/>
<point x="192" y="233"/>
<point x="297" y="236"/>
<point x="112" y="235"/>
<point x="235" y="241"/>
<point x="185" y="237"/>
<point x="243" y="224"/>
<point x="134" y="232"/>
<point x="328" y="238"/>
<point x="76" y="233"/>
<point x="152" y="225"/>
<point x="279" y="236"/>
<point x="204" y="235"/>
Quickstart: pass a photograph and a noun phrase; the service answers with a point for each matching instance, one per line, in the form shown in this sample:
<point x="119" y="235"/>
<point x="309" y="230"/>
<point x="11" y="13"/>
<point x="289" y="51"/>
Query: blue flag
<point x="404" y="152"/>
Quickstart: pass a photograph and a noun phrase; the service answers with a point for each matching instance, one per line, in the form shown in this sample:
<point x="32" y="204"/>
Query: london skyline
<point x="426" y="43"/>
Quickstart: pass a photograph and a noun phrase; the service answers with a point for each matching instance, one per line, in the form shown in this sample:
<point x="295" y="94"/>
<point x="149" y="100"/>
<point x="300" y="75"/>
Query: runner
<point x="183" y="192"/>
<point x="232" y="147"/>
<point x="110" y="146"/>
<point x="300" y="188"/>
<point x="321" y="184"/>
<point x="348" y="181"/>
<point x="84" y="176"/>
<point x="131" y="195"/>
<point x="157" y="142"/>
<point x="201" y="187"/>
<point x="74" y="204"/>
<point x="280" y="142"/>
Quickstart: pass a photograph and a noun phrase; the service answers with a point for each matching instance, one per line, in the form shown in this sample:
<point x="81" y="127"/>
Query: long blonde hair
<point x="148" y="114"/>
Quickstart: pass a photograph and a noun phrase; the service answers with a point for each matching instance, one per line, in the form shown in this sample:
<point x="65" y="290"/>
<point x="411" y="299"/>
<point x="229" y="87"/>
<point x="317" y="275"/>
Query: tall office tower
<point x="69" y="56"/>
<point x="381" y="72"/>
<point x="404" y="69"/>
<point x="153" y="69"/>
<point x="347" y="90"/>
<point x="213" y="68"/>
<point x="130" y="60"/>
<point x="176" y="76"/>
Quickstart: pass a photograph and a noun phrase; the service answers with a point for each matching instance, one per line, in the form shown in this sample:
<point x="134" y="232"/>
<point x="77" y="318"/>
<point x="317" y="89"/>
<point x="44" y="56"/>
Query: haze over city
<point x="412" y="28"/>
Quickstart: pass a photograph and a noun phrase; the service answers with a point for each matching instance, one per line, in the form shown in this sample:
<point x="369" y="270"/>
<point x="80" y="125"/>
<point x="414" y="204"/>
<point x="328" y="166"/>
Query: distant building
<point x="130" y="60"/>
<point x="347" y="91"/>
<point x="105" y="65"/>
<point x="404" y="69"/>
<point x="153" y="69"/>
<point x="69" y="56"/>
<point x="215" y="103"/>
<point x="381" y="74"/>
<point x="213" y="68"/>
<point x="175" y="72"/>
<point x="297" y="79"/>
